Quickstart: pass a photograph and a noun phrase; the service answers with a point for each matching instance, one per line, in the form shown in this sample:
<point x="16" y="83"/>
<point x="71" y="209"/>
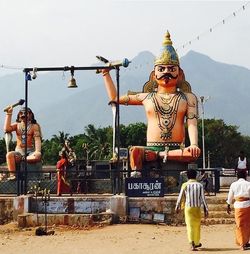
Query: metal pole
<point x="203" y="134"/>
<point x="118" y="189"/>
<point x="208" y="159"/>
<point x="27" y="78"/>
<point x="69" y="68"/>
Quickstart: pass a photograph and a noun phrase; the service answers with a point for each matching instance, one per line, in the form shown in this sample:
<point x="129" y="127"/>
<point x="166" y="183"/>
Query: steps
<point x="217" y="211"/>
<point x="72" y="220"/>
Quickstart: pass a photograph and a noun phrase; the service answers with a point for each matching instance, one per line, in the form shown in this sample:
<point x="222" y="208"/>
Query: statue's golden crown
<point x="168" y="54"/>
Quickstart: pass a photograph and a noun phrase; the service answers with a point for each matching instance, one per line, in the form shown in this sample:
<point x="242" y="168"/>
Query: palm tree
<point x="98" y="142"/>
<point x="60" y="138"/>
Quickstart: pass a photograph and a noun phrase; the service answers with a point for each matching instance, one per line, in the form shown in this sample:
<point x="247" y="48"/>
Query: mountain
<point x="58" y="108"/>
<point x="227" y="86"/>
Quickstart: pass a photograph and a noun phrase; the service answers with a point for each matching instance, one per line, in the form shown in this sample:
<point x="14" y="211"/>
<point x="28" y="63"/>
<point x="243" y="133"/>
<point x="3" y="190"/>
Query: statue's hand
<point x="34" y="157"/>
<point x="194" y="150"/>
<point x="37" y="155"/>
<point x="9" y="110"/>
<point x="105" y="72"/>
<point x="188" y="154"/>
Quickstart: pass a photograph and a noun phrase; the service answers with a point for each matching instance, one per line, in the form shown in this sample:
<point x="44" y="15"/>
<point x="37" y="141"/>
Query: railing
<point x="110" y="179"/>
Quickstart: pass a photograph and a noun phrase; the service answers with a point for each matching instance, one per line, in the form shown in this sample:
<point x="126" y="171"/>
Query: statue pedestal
<point x="34" y="170"/>
<point x="170" y="171"/>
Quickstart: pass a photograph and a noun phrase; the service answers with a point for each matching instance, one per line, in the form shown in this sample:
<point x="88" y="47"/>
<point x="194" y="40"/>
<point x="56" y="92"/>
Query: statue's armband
<point x="192" y="115"/>
<point x="133" y="99"/>
<point x="37" y="132"/>
<point x="192" y="111"/>
<point x="139" y="97"/>
<point x="125" y="99"/>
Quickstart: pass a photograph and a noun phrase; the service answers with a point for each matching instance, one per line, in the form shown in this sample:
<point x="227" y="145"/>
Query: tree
<point x="51" y="148"/>
<point x="98" y="142"/>
<point x="133" y="134"/>
<point x="77" y="143"/>
<point x="223" y="141"/>
<point x="3" y="151"/>
<point x="60" y="139"/>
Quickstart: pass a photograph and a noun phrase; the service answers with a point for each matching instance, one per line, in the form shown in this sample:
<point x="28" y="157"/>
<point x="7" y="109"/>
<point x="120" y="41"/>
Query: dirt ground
<point x="114" y="239"/>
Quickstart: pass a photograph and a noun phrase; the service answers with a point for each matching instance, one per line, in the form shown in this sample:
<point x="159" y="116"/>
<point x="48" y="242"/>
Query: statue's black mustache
<point x="167" y="75"/>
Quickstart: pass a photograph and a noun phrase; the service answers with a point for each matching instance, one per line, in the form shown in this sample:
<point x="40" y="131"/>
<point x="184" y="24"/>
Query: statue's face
<point x="166" y="75"/>
<point x="21" y="115"/>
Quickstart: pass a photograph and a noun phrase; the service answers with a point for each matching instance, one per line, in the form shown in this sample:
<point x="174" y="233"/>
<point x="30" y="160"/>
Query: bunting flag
<point x="212" y="28"/>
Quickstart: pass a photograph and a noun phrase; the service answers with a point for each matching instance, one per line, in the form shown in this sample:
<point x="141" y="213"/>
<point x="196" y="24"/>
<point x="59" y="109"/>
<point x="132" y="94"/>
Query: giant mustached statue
<point x="169" y="103"/>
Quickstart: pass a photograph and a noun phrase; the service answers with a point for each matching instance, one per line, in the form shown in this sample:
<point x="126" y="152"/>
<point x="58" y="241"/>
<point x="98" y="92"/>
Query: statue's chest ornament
<point x="21" y="130"/>
<point x="166" y="107"/>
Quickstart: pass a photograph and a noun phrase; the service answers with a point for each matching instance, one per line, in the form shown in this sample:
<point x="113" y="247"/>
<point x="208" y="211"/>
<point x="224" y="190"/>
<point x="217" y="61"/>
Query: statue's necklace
<point x="22" y="130"/>
<point x="166" y="108"/>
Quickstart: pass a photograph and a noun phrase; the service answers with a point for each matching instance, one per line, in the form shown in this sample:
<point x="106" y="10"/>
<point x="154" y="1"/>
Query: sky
<point x="50" y="33"/>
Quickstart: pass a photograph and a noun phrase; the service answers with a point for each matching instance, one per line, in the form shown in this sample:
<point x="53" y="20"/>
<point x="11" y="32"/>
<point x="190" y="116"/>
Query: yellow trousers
<point x="193" y="223"/>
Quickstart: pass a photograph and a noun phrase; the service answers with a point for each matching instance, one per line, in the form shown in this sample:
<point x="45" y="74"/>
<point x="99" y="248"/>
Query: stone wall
<point x="6" y="210"/>
<point x="225" y="181"/>
<point x="155" y="210"/>
<point x="149" y="210"/>
<point x="88" y="210"/>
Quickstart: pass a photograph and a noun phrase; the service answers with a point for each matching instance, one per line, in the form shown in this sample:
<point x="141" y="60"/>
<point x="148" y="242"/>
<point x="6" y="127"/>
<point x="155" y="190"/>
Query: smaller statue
<point x="33" y="139"/>
<point x="69" y="152"/>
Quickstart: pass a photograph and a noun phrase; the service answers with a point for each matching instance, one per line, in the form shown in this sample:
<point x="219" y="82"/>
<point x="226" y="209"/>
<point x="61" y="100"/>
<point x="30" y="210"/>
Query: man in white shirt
<point x="240" y="192"/>
<point x="241" y="162"/>
<point x="192" y="193"/>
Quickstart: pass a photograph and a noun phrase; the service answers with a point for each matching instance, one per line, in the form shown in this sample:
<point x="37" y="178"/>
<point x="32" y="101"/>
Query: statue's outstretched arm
<point x="135" y="99"/>
<point x="109" y="84"/>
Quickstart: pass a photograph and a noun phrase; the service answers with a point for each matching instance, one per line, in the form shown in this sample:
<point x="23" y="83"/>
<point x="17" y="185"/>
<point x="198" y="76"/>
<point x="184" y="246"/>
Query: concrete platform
<point x="86" y="210"/>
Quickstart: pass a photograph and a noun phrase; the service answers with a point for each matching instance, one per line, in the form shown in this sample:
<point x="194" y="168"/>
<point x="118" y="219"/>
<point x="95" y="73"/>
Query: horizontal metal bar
<point x="68" y="68"/>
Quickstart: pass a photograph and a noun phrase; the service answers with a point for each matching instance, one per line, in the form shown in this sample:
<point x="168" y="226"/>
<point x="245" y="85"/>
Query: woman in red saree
<point x="62" y="185"/>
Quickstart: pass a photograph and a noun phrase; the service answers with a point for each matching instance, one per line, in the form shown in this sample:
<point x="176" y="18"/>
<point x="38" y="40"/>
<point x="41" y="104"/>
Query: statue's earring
<point x="155" y="86"/>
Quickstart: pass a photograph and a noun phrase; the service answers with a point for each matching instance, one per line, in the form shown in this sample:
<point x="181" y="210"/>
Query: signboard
<point x="144" y="187"/>
<point x="123" y="153"/>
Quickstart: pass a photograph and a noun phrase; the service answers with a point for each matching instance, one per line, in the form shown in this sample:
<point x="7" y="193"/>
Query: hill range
<point x="58" y="108"/>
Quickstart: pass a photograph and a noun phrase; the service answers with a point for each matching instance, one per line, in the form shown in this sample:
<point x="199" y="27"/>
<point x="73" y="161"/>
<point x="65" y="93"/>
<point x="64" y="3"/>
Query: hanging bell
<point x="34" y="74"/>
<point x="72" y="83"/>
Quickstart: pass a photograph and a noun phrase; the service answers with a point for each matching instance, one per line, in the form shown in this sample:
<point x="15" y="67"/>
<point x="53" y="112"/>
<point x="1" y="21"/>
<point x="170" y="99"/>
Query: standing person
<point x="62" y="185"/>
<point x="33" y="139"/>
<point x="241" y="163"/>
<point x="204" y="180"/>
<point x="169" y="103"/>
<point x="240" y="192"/>
<point x="192" y="197"/>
